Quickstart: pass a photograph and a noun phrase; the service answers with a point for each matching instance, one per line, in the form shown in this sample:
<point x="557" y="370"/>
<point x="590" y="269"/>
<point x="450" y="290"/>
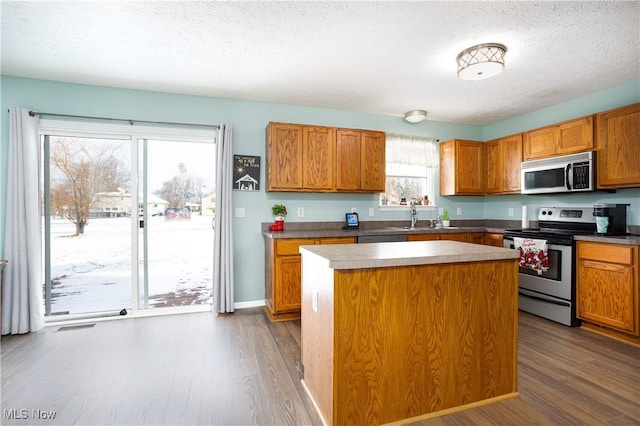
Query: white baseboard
<point x="249" y="304"/>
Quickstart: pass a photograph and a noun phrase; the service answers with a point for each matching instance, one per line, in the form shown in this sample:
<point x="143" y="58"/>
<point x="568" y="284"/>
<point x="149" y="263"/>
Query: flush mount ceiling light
<point x="481" y="62"/>
<point x="415" y="116"/>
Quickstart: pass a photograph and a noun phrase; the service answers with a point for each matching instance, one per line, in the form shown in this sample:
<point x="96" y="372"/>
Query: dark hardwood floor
<point x="240" y="369"/>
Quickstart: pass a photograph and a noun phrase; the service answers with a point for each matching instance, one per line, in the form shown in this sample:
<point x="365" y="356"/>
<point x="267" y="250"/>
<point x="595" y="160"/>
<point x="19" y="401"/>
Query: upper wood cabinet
<point x="324" y="159"/>
<point x="618" y="145"/>
<point x="284" y="156"/>
<point x="462" y="167"/>
<point x="349" y="148"/>
<point x="318" y="153"/>
<point x="503" y="158"/>
<point x="563" y="138"/>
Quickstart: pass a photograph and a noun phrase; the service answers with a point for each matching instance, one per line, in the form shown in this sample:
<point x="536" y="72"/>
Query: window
<point x="412" y="162"/>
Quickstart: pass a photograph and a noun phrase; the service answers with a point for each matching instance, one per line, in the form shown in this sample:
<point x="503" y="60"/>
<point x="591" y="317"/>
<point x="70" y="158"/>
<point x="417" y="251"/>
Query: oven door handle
<point x="567" y="177"/>
<point x="544" y="299"/>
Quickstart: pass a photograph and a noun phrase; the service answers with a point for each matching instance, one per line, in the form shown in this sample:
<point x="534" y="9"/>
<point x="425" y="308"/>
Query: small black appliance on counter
<point x="617" y="214"/>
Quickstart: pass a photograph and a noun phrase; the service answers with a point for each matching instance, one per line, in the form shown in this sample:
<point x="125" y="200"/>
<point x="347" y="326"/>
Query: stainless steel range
<point x="551" y="294"/>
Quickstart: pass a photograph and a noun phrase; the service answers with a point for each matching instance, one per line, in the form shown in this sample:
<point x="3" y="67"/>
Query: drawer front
<point x="606" y="252"/>
<point x="338" y="240"/>
<point x="290" y="246"/>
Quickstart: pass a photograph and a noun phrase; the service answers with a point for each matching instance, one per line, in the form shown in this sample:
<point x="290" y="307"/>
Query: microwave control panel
<point x="581" y="175"/>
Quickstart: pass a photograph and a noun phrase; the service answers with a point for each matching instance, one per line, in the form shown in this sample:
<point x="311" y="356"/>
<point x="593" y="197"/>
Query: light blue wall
<point x="497" y="207"/>
<point x="603" y="100"/>
<point x="249" y="120"/>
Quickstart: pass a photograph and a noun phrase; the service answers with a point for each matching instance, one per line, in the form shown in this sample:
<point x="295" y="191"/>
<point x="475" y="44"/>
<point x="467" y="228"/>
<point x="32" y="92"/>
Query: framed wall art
<point x="246" y="172"/>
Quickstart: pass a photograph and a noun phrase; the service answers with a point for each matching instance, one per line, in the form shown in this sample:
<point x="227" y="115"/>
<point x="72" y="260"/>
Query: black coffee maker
<point x="617" y="215"/>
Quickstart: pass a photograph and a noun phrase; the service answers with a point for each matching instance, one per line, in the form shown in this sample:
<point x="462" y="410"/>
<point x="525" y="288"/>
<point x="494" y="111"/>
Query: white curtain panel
<point x="22" y="307"/>
<point x="410" y="155"/>
<point x="223" y="235"/>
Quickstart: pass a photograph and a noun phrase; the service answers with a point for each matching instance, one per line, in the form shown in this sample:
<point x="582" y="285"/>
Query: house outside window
<point x="411" y="166"/>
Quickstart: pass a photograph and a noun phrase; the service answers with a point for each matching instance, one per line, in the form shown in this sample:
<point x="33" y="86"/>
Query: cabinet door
<point x="575" y="136"/>
<point x="284" y="156"/>
<point x="475" y="237"/>
<point x="373" y="162"/>
<point x="469" y="167"/>
<point x="618" y="141"/>
<point x="606" y="294"/>
<point x="495" y="240"/>
<point x="539" y="143"/>
<point x="494" y="167"/>
<point x="448" y="167"/>
<point x="287" y="284"/>
<point x="454" y="237"/>
<point x="338" y="240"/>
<point x="511" y="149"/>
<point x="349" y="160"/>
<point x="318" y="158"/>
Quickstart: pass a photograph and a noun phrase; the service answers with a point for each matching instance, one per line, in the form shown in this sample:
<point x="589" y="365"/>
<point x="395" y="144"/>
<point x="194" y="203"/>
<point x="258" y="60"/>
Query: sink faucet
<point x="414" y="214"/>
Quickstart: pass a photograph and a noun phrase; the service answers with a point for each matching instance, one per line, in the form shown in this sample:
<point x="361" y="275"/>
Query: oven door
<point x="554" y="282"/>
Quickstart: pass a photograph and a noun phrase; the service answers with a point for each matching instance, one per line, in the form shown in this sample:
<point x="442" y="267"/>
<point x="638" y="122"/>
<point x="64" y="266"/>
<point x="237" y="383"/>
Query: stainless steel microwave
<point x="569" y="173"/>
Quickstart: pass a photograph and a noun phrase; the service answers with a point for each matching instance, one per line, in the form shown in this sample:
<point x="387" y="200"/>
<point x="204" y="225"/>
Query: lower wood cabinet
<point x="283" y="274"/>
<point x="607" y="285"/>
<point x="494" y="239"/>
<point x="465" y="237"/>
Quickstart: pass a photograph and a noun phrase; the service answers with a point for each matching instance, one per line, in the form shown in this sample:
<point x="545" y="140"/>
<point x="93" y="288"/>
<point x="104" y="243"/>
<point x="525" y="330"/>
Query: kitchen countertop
<point x="391" y="230"/>
<point x="622" y="239"/>
<point x="381" y="255"/>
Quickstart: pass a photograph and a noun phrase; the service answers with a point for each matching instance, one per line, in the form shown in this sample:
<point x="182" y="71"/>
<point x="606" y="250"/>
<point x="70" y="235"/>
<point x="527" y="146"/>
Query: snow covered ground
<point x="92" y="272"/>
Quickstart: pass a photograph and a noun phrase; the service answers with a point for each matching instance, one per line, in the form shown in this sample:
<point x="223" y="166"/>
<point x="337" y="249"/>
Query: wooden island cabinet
<point x="401" y="332"/>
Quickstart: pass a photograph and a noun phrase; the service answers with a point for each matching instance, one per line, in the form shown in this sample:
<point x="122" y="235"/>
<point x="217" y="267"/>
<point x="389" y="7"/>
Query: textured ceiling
<point x="376" y="57"/>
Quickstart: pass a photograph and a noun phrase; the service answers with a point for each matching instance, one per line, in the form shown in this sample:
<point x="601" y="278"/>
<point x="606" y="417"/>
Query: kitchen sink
<point x="408" y="228"/>
<point x="418" y="228"/>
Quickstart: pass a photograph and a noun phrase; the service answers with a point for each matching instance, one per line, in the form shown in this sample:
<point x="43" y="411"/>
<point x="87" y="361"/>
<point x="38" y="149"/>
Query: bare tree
<point x="85" y="168"/>
<point x="181" y="189"/>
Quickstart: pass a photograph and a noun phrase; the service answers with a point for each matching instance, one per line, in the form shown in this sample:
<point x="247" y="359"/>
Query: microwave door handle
<point x="568" y="176"/>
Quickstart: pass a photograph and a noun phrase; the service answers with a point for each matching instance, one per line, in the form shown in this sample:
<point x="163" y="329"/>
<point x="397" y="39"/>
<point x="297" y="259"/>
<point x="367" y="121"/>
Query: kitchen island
<point x="407" y="330"/>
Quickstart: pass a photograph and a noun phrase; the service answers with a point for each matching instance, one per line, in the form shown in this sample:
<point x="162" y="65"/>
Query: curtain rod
<point x="130" y="121"/>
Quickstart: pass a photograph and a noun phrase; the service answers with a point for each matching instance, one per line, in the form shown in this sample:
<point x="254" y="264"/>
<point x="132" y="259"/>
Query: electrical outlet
<point x="354" y="210"/>
<point x="371" y="211"/>
<point x="459" y="211"/>
<point x="510" y="211"/>
<point x="300" y="211"/>
<point x="239" y="211"/>
<point x="440" y="210"/>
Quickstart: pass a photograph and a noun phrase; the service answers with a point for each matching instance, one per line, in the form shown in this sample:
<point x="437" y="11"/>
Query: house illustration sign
<point x="246" y="172"/>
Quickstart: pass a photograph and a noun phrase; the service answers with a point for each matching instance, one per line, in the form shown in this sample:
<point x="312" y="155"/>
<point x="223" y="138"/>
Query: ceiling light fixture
<point x="415" y="116"/>
<point x="481" y="61"/>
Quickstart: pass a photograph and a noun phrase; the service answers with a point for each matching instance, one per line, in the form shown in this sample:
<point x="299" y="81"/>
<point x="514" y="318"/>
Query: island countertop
<point x="381" y="255"/>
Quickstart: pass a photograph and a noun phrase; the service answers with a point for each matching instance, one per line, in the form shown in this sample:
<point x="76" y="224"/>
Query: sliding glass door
<point x="87" y="224"/>
<point x="127" y="224"/>
<point x="175" y="226"/>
